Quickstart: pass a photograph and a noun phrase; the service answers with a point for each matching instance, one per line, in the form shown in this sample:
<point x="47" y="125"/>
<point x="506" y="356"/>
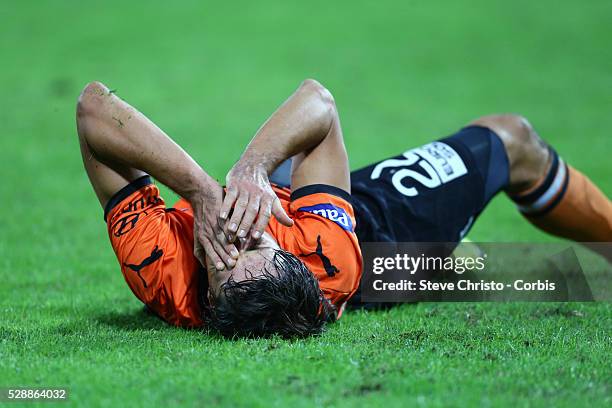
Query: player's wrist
<point x="258" y="161"/>
<point x="248" y="168"/>
<point x="200" y="186"/>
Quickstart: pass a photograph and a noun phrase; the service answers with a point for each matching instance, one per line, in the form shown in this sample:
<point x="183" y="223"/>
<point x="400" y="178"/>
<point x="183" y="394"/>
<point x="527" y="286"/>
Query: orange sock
<point x="567" y="204"/>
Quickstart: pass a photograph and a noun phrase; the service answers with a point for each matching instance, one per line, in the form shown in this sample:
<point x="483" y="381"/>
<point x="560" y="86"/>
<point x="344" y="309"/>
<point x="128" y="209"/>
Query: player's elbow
<point x="320" y="92"/>
<point x="89" y="110"/>
<point x="90" y="99"/>
<point x="321" y="100"/>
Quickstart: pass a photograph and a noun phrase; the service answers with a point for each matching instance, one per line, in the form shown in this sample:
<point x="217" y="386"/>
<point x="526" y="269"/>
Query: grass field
<point x="402" y="73"/>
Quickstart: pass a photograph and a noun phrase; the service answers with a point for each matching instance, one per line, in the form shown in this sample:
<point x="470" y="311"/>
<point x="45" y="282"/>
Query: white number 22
<point x="432" y="180"/>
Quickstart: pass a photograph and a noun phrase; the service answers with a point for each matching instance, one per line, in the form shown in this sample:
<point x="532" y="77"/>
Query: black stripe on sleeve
<point x="126" y="192"/>
<point x="320" y="188"/>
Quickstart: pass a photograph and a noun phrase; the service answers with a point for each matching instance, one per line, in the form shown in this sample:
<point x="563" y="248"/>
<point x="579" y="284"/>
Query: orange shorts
<point x="154" y="246"/>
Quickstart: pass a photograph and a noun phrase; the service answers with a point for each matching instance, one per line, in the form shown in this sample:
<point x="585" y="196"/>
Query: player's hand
<point x="209" y="238"/>
<point x="250" y="194"/>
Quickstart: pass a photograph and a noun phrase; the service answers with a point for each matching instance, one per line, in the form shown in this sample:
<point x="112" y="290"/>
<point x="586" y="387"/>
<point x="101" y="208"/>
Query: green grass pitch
<point x="403" y="73"/>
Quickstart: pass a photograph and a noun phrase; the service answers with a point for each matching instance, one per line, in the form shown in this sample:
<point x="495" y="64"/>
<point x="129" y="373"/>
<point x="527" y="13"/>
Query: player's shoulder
<point x="324" y="202"/>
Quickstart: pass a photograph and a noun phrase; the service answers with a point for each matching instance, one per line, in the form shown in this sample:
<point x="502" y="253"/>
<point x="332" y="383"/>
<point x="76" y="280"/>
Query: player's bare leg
<point x="553" y="196"/>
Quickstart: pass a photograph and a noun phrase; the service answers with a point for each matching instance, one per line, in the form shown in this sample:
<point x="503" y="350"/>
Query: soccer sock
<point x="566" y="203"/>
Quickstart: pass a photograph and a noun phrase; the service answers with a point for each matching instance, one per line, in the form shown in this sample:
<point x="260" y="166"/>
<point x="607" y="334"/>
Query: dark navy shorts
<point x="432" y="193"/>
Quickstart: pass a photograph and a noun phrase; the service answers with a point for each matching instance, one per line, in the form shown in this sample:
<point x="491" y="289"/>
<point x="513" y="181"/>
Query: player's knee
<point x="90" y="98"/>
<point x="514" y="130"/>
<point x="527" y="153"/>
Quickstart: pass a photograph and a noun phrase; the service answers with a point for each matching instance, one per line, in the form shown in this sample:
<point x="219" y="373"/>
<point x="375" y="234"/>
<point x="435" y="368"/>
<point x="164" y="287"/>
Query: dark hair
<point x="290" y="304"/>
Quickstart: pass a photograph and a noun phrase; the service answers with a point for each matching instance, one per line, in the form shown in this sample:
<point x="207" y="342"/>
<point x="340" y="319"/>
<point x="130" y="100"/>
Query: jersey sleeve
<point x="323" y="237"/>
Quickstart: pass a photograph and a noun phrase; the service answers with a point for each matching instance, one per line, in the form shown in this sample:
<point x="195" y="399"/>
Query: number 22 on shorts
<point x="440" y="162"/>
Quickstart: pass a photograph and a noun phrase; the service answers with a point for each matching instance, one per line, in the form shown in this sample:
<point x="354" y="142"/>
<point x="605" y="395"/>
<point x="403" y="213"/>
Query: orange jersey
<point x="154" y="246"/>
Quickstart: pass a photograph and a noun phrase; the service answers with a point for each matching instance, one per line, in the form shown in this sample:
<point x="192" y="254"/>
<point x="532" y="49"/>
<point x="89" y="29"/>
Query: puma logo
<point x="155" y="255"/>
<point x="330" y="269"/>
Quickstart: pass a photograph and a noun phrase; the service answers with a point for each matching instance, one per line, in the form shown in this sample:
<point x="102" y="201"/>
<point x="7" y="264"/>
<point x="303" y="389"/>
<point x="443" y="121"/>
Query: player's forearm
<point x="298" y="125"/>
<point x="116" y="132"/>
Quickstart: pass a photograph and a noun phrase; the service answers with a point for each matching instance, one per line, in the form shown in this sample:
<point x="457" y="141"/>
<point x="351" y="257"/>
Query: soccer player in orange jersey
<point x="285" y="275"/>
<point x="260" y="258"/>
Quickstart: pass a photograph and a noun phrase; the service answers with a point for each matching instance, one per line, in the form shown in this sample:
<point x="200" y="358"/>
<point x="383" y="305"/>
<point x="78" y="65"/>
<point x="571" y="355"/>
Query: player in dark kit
<point x="283" y="257"/>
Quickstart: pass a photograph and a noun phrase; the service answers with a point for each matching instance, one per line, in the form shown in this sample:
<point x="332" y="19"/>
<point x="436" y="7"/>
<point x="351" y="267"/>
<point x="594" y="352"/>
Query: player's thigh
<point x="106" y="178"/>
